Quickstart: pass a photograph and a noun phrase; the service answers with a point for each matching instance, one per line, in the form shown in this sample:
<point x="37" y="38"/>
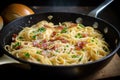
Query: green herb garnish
<point x="16" y="44"/>
<point x="74" y="56"/>
<point x="20" y="37"/>
<point x="56" y="51"/>
<point x="42" y="29"/>
<point x="38" y="59"/>
<point x="80" y="58"/>
<point x="26" y="54"/>
<point x="81" y="26"/>
<point x="34" y="37"/>
<point x="92" y="40"/>
<point x="64" y="30"/>
<point x="38" y="52"/>
<point x="67" y="45"/>
<point x="78" y="35"/>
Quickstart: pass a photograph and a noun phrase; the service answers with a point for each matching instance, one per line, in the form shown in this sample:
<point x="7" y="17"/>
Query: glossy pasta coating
<point x="67" y="43"/>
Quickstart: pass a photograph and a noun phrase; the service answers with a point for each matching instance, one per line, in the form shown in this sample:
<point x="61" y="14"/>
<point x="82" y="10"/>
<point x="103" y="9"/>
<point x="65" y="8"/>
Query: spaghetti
<point x="64" y="44"/>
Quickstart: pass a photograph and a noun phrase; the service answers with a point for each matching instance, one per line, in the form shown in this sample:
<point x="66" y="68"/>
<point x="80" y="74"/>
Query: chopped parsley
<point x="34" y="37"/>
<point x="56" y="51"/>
<point x="68" y="52"/>
<point x="92" y="40"/>
<point x="64" y="30"/>
<point x="81" y="26"/>
<point x="74" y="56"/>
<point x="67" y="45"/>
<point x="80" y="58"/>
<point x="42" y="29"/>
<point x="17" y="44"/>
<point x="83" y="49"/>
<point x="26" y="54"/>
<point x="20" y="37"/>
<point x="35" y="31"/>
<point x="64" y="48"/>
<point x="38" y="59"/>
<point x="78" y="35"/>
<point x="38" y="52"/>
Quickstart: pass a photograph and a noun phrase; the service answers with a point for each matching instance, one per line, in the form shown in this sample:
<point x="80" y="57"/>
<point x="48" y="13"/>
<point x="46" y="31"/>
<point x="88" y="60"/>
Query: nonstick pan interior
<point x="111" y="35"/>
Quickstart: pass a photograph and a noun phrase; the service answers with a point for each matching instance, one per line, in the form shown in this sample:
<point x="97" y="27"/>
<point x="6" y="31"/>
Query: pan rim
<point x="102" y="59"/>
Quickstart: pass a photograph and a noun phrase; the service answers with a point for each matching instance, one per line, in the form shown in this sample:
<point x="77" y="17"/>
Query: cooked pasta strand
<point x="64" y="44"/>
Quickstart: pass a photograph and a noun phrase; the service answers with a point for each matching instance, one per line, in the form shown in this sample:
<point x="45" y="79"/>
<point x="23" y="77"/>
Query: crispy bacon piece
<point x="59" y="28"/>
<point x="19" y="47"/>
<point x="40" y="45"/>
<point x="73" y="25"/>
<point x="61" y="39"/>
<point x="44" y="41"/>
<point x="44" y="45"/>
<point x="47" y="26"/>
<point x="64" y="41"/>
<point x="80" y="45"/>
<point x="13" y="37"/>
<point x="53" y="34"/>
<point x="36" y="44"/>
<point x="84" y="35"/>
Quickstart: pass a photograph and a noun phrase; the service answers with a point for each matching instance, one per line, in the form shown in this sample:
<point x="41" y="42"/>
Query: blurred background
<point x="114" y="7"/>
<point x="55" y="3"/>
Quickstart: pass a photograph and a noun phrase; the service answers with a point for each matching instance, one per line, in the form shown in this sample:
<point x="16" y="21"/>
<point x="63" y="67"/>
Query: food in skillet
<point x="67" y="43"/>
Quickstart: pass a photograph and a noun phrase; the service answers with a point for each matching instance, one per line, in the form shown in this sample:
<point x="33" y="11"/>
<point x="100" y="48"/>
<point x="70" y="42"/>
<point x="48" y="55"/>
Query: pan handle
<point x="7" y="60"/>
<point x="97" y="10"/>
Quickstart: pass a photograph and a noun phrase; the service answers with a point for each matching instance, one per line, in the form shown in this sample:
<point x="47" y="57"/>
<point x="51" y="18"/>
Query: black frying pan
<point x="111" y="35"/>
